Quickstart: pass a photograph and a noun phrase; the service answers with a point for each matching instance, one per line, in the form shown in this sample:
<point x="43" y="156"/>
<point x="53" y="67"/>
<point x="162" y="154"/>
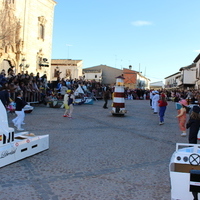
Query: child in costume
<point x="69" y="99"/>
<point x="182" y="116"/>
<point x="19" y="110"/>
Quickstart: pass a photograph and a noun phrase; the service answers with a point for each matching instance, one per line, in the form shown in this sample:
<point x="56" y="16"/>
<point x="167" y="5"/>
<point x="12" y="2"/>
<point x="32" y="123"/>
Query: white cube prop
<point x="14" y="147"/>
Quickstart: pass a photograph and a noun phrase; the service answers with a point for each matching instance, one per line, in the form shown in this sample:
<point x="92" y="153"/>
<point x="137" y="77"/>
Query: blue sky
<point x="157" y="37"/>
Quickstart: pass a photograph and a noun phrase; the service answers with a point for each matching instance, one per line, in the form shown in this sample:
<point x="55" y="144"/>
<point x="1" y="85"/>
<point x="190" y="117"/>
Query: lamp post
<point x="23" y="64"/>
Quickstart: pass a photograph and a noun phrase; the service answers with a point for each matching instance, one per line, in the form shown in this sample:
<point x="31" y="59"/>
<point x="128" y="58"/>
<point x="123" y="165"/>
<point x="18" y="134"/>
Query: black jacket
<point x="193" y="124"/>
<point x="20" y="104"/>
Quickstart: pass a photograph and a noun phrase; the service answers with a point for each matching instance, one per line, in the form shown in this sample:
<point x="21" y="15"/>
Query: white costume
<point x="155" y="102"/>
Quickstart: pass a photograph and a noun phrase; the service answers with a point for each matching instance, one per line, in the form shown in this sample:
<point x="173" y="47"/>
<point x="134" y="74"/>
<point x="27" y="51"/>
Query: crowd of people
<point x="36" y="88"/>
<point x="158" y="103"/>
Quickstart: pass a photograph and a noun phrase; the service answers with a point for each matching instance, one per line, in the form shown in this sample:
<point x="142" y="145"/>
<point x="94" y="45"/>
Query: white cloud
<point x="141" y="23"/>
<point x="198" y="51"/>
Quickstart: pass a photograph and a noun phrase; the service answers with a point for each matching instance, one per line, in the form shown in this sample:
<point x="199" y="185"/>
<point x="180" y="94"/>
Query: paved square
<point x="96" y="156"/>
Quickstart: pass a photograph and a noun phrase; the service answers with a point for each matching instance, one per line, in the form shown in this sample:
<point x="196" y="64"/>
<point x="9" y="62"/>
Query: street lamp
<point x="23" y="65"/>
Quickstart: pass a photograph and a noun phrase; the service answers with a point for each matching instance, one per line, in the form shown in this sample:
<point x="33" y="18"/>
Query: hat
<point x="162" y="95"/>
<point x="196" y="109"/>
<point x="156" y="92"/>
<point x="183" y="102"/>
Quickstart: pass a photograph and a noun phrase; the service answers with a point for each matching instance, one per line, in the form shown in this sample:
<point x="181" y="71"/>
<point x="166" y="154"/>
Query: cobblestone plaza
<point x="96" y="156"/>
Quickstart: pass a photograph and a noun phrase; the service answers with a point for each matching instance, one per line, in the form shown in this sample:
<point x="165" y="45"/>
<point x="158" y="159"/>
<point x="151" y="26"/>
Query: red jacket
<point x="162" y="103"/>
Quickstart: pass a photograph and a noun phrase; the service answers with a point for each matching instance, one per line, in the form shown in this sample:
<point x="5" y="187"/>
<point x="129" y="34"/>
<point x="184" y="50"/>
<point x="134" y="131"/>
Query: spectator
<point x="63" y="90"/>
<point x="3" y="79"/>
<point x="4" y="96"/>
<point x="193" y="124"/>
<point x="11" y="70"/>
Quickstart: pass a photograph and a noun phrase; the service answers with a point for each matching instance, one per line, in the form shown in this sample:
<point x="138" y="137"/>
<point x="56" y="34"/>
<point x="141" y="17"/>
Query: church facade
<point x="26" y="28"/>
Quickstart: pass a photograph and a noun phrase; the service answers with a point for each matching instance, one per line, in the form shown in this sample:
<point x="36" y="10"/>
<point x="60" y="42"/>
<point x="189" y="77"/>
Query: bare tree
<point x="9" y="27"/>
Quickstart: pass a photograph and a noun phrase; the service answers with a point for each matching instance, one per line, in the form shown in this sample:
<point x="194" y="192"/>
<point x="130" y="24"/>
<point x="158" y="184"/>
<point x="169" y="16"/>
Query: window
<point x="41" y="27"/>
<point x="41" y="32"/>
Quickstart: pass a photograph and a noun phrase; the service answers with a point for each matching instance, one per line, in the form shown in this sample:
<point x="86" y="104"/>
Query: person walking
<point x="193" y="124"/>
<point x="106" y="97"/>
<point x="65" y="102"/>
<point x="150" y="97"/>
<point x="162" y="103"/>
<point x="20" y="103"/>
<point x="155" y="102"/>
<point x="69" y="99"/>
<point x="182" y="116"/>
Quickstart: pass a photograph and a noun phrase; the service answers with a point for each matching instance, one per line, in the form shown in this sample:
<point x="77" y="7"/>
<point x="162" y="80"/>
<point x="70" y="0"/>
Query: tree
<point x="9" y="28"/>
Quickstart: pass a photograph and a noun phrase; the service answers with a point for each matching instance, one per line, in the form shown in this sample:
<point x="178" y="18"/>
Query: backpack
<point x="187" y="109"/>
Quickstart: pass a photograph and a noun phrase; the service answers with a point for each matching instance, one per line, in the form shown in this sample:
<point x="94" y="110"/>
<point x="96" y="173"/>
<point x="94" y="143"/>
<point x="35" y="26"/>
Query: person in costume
<point x="19" y="110"/>
<point x="155" y="102"/>
<point x="69" y="99"/>
<point x="182" y="116"/>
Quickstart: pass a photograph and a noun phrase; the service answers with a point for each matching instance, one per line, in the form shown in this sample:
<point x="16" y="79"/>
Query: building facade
<point x="172" y="81"/>
<point x="108" y="75"/>
<point x="93" y="75"/>
<point x="66" y="68"/>
<point x="185" y="78"/>
<point x="158" y="85"/>
<point x="197" y="62"/>
<point x="134" y="79"/>
<point x="188" y="76"/>
<point x="26" y="41"/>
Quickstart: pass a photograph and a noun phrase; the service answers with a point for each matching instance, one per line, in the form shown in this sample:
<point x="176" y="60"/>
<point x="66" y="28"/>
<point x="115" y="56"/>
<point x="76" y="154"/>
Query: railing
<point x="29" y="97"/>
